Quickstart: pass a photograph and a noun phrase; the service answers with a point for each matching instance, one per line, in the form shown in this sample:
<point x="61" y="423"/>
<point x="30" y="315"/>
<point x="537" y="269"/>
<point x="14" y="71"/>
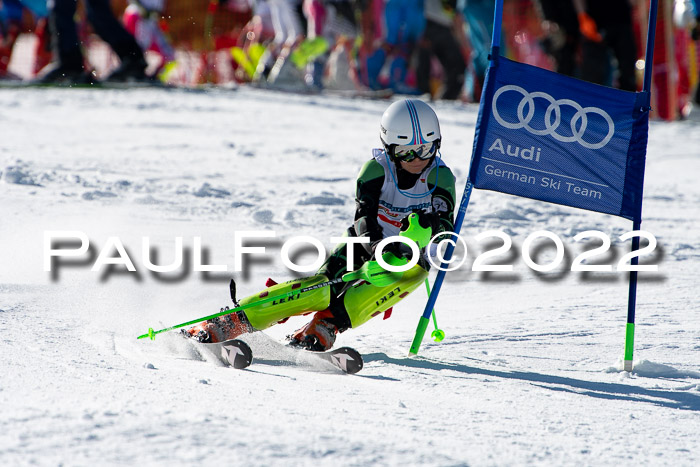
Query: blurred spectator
<point x="479" y="15"/>
<point x="288" y="28"/>
<point x="606" y="25"/>
<point x="441" y="24"/>
<point x="372" y="38"/>
<point x="11" y="12"/>
<point x="686" y="15"/>
<point x="404" y="23"/>
<point x="561" y="41"/>
<point x="141" y="21"/>
<point x="69" y="67"/>
<point x="259" y="29"/>
<point x="696" y="37"/>
<point x="331" y="25"/>
<point x="254" y="39"/>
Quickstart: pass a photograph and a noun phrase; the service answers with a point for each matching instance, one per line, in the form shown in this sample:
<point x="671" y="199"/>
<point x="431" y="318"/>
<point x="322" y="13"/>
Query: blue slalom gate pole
<point x="651" y="39"/>
<point x="464" y="203"/>
<point x="636" y="224"/>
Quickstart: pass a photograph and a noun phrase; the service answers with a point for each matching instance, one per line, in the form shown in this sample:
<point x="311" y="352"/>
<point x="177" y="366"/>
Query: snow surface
<point x="529" y="372"/>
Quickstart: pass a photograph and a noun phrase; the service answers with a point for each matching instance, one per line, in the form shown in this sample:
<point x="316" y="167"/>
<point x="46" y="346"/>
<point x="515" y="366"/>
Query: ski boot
<point x="318" y="335"/>
<point x="221" y="328"/>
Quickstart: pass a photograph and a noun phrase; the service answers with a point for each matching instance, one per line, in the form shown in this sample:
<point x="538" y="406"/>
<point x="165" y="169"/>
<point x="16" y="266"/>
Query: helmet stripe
<point x="416" y="123"/>
<point x="413" y="121"/>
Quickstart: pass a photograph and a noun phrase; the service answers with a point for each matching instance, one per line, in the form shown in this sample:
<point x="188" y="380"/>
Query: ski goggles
<point x="407" y="153"/>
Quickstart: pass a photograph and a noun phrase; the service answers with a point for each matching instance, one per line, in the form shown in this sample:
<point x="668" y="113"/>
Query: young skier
<point x="406" y="176"/>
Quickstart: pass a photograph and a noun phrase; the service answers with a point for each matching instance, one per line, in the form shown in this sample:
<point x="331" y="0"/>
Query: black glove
<point x="399" y="249"/>
<point x="425" y="219"/>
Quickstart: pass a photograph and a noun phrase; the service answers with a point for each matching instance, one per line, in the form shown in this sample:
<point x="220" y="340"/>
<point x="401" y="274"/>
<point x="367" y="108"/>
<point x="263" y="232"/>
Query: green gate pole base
<point x="629" y="347"/>
<point x="420" y="332"/>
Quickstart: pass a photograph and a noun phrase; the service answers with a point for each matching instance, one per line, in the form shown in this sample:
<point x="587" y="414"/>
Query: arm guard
<point x="368" y="190"/>
<point x="443" y="199"/>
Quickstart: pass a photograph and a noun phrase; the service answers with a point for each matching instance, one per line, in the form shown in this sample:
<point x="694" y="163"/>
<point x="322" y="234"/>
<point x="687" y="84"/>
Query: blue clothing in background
<point x="404" y="20"/>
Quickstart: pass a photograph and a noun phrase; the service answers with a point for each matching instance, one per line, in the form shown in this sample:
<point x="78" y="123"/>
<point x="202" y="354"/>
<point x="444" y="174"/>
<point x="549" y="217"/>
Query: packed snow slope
<point x="529" y="371"/>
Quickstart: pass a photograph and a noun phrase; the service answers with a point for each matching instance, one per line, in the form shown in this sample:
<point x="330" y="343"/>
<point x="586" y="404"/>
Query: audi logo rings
<point x="552" y="126"/>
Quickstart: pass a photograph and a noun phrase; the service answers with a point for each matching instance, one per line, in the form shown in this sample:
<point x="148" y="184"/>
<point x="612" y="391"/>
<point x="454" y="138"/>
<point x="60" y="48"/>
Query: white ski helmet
<point x="409" y="129"/>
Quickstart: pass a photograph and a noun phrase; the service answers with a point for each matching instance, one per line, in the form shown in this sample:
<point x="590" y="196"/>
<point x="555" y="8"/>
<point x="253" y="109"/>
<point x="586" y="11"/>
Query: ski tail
<point x="346" y="359"/>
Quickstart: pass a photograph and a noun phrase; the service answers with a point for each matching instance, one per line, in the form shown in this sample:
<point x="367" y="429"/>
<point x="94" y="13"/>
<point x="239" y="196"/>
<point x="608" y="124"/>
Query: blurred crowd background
<point x="369" y="47"/>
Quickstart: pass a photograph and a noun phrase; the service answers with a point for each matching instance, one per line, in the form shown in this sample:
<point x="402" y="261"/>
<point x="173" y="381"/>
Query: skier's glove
<point x="399" y="249"/>
<point x="431" y="218"/>
<point x="375" y="274"/>
<point x="588" y="28"/>
<point x="419" y="227"/>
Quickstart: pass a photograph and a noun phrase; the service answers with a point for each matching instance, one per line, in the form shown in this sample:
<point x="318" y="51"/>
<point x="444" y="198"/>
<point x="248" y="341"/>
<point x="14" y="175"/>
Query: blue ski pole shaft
<point x="425" y="318"/>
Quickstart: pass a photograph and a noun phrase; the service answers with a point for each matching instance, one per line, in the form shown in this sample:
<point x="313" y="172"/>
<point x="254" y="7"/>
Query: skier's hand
<point x="588" y="28"/>
<point x="399" y="249"/>
<point x="430" y="218"/>
<point x="419" y="226"/>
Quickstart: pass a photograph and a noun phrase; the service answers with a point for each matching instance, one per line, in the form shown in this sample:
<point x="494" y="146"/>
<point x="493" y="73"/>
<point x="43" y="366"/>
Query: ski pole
<point x="152" y="334"/>
<point x="438" y="334"/>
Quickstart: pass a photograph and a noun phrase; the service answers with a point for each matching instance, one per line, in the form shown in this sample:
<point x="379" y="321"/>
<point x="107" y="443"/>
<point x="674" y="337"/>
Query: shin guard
<point x="267" y="314"/>
<point x="365" y="301"/>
